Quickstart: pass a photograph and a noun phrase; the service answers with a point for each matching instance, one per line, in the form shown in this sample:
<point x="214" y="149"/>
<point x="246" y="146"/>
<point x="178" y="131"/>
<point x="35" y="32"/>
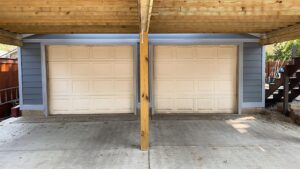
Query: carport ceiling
<point x="69" y="16"/>
<point x="167" y="16"/>
<point x="225" y="16"/>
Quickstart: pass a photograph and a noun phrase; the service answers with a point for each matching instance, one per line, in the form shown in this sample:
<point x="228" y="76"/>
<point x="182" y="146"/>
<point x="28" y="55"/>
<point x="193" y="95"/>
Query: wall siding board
<point x="31" y="74"/>
<point x="31" y="52"/>
<point x="252" y="72"/>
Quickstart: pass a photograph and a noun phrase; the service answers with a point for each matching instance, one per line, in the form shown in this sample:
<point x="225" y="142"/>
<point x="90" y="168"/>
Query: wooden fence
<point x="8" y="79"/>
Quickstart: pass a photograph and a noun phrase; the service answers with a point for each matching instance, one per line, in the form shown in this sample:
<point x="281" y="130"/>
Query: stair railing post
<point x="286" y="93"/>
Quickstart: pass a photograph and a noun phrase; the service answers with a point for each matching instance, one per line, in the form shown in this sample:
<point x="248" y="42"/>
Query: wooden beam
<point x="145" y="14"/>
<point x="281" y="35"/>
<point x="50" y="29"/>
<point x="10" y="38"/>
<point x="144" y="95"/>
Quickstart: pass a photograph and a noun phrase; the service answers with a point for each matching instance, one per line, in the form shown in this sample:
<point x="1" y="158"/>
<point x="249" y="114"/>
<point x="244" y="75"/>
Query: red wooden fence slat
<point x="8" y="78"/>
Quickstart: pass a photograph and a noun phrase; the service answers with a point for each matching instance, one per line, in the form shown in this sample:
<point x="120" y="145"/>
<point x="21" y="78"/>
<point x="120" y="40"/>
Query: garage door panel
<point x="225" y="102"/>
<point x="164" y="53"/>
<point x="224" y="87"/>
<point x="203" y="68"/>
<point x="103" y="103"/>
<point x="124" y="52"/>
<point x="80" y="69"/>
<point x="123" y="69"/>
<point x="183" y="87"/>
<point x="103" y="69"/>
<point x="59" y="70"/>
<point x="80" y="87"/>
<point x="79" y="52"/>
<point x="184" y="52"/>
<point x="164" y="69"/>
<point x="183" y="70"/>
<point x="102" y="52"/>
<point x="165" y="86"/>
<point x="205" y="52"/>
<point x="163" y="103"/>
<point x="124" y="103"/>
<point x="204" y="104"/>
<point x="60" y="104"/>
<point x="225" y="66"/>
<point x="92" y="80"/>
<point x="60" y="86"/>
<point x="103" y="87"/>
<point x="195" y="79"/>
<point x="123" y="86"/>
<point x="205" y="87"/>
<point x="227" y="52"/>
<point x="81" y="103"/>
<point x="186" y="104"/>
<point x="58" y="53"/>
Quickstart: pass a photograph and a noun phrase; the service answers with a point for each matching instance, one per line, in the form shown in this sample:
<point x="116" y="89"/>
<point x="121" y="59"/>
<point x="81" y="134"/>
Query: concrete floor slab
<point x="248" y="142"/>
<point x="241" y="143"/>
<point x="76" y="145"/>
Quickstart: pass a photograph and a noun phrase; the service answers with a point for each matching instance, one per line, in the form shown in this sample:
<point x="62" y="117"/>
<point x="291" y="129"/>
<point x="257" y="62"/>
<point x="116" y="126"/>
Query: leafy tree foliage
<point x="283" y="51"/>
<point x="6" y="48"/>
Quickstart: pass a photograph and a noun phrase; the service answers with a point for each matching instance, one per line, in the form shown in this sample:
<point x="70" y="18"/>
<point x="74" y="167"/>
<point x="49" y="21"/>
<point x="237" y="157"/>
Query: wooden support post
<point x="144" y="94"/>
<point x="286" y="94"/>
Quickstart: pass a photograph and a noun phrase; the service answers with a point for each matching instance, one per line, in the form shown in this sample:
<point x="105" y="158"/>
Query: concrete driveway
<point x="227" y="141"/>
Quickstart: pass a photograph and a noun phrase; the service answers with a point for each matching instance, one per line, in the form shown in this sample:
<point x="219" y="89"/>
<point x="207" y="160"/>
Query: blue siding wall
<point x="31" y="74"/>
<point x="252" y="83"/>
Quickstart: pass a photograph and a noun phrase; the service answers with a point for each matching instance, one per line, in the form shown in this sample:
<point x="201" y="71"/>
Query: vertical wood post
<point x="286" y="93"/>
<point x="144" y="94"/>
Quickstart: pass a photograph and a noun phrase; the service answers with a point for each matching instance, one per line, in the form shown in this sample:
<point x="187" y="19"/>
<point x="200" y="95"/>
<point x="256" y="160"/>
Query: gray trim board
<point x="32" y="107"/>
<point x="240" y="78"/>
<point x="135" y="79"/>
<point x="82" y="41"/>
<point x="263" y="91"/>
<point x="197" y="41"/>
<point x="253" y="105"/>
<point x="44" y="80"/>
<point x="151" y="80"/>
<point x="20" y="74"/>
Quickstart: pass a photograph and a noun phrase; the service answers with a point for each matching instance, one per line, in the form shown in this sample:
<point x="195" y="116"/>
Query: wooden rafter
<point x="281" y="35"/>
<point x="145" y="8"/>
<point x="10" y="38"/>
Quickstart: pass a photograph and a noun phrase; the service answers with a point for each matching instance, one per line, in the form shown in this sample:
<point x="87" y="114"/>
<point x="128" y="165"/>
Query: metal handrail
<point x="9" y="95"/>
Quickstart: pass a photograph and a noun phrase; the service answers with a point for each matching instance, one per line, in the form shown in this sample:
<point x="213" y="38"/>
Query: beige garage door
<point x="90" y="79"/>
<point x="195" y="79"/>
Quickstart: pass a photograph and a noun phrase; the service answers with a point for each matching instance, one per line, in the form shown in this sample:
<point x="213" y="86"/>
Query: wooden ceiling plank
<point x="9" y="38"/>
<point x="281" y="35"/>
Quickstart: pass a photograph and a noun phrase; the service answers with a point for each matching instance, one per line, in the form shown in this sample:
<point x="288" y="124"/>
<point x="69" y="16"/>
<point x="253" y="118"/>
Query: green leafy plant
<point x="6" y="48"/>
<point x="283" y="51"/>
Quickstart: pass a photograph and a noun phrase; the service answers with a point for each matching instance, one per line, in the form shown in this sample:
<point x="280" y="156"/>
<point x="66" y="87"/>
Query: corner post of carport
<point x="144" y="92"/>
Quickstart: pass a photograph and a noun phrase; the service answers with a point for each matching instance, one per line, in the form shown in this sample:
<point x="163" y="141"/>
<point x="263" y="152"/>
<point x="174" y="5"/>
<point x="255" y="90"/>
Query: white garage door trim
<point x="44" y="70"/>
<point x="239" y="73"/>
